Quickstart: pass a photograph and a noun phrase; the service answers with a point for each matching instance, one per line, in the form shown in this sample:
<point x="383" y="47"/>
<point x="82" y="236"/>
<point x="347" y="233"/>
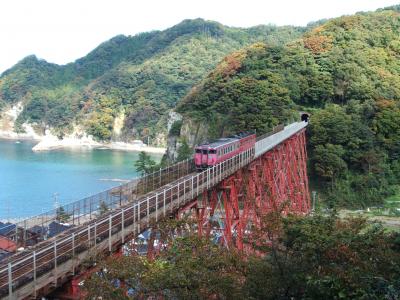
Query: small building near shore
<point x="7" y="247"/>
<point x="7" y="229"/>
<point x="56" y="228"/>
<point x="7" y="244"/>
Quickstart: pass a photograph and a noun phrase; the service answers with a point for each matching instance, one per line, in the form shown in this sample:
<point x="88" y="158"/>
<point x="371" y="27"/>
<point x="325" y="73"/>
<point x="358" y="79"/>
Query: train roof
<point x="223" y="141"/>
<point x="219" y="142"/>
<point x="241" y="135"/>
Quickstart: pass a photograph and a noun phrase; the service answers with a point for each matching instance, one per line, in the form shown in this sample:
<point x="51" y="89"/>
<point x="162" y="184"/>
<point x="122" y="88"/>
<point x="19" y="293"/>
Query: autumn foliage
<point x="318" y="43"/>
<point x="315" y="257"/>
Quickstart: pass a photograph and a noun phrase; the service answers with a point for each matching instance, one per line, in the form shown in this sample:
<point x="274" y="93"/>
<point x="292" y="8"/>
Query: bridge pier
<point x="227" y="199"/>
<point x="276" y="180"/>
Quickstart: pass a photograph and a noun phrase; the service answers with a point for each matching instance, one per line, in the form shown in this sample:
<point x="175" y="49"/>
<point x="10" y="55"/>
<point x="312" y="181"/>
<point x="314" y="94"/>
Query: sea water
<point x="35" y="182"/>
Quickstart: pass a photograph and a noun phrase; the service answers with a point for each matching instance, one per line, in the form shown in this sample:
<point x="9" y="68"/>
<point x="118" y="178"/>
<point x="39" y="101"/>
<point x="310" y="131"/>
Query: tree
<point x="190" y="268"/>
<point x="103" y="208"/>
<point x="184" y="151"/>
<point x="100" y="124"/>
<point x="61" y="215"/>
<point x="323" y="257"/>
<point x="328" y="161"/>
<point x="387" y="127"/>
<point x="145" y="164"/>
<point x="331" y="125"/>
<point x="293" y="257"/>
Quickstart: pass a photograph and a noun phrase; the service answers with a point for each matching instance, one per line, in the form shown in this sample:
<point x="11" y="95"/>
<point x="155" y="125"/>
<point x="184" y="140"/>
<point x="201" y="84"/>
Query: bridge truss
<point x="275" y="180"/>
<point x="227" y="197"/>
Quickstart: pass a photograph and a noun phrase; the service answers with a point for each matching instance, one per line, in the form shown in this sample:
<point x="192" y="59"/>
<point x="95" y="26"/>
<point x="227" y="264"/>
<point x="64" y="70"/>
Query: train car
<point x="210" y="154"/>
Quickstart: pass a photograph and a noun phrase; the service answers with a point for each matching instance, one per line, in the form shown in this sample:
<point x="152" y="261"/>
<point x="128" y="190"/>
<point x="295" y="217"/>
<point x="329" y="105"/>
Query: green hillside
<point x="137" y="79"/>
<point x="346" y="72"/>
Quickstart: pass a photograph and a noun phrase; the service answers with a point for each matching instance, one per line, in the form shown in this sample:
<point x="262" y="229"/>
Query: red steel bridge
<point x="237" y="190"/>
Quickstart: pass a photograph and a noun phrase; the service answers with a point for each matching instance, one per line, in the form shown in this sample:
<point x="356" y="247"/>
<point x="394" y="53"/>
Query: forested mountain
<point x="133" y="79"/>
<point x="346" y="72"/>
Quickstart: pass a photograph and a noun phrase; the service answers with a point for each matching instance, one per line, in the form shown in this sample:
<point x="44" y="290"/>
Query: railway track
<point x="48" y="262"/>
<point x="31" y="265"/>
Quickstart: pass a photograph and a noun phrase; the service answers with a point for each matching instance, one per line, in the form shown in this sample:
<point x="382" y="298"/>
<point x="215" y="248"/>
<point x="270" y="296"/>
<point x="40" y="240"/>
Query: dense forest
<point x="314" y="257"/>
<point x="346" y="73"/>
<point x="137" y="79"/>
<point x="343" y="71"/>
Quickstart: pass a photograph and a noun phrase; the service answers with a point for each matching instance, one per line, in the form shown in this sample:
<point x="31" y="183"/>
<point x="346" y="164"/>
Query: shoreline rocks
<point x="50" y="143"/>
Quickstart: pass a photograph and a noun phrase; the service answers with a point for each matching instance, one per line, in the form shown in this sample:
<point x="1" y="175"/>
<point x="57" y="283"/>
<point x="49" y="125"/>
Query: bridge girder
<point x="276" y="180"/>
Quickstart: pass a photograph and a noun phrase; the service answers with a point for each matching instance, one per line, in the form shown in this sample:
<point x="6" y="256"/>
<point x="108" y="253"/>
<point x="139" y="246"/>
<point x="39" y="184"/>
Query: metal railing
<point x="35" y="229"/>
<point x="47" y="257"/>
<point x="272" y="140"/>
<point x="274" y="130"/>
<point x="30" y="231"/>
<point x="164" y="176"/>
<point x="26" y="272"/>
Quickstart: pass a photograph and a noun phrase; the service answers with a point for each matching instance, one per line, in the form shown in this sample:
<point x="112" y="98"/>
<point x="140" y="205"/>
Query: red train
<point x="210" y="154"/>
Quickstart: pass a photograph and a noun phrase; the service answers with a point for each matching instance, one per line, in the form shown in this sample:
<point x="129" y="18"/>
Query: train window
<point x="212" y="151"/>
<point x="205" y="151"/>
<point x="198" y="150"/>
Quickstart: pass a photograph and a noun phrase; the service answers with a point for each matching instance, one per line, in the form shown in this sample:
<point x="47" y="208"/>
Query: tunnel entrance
<point x="305" y="117"/>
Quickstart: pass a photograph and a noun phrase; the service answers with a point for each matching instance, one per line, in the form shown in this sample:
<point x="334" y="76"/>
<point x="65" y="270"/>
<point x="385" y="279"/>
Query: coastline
<point x="50" y="143"/>
<point x="78" y="139"/>
<point x="13" y="136"/>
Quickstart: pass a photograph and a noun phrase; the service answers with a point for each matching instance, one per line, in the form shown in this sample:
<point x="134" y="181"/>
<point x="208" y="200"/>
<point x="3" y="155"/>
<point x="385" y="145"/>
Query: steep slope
<point x="133" y="80"/>
<point x="28" y="74"/>
<point x="346" y="72"/>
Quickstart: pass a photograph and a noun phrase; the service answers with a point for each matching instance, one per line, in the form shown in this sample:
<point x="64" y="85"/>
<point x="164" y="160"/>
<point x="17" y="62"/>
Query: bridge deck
<point x="52" y="261"/>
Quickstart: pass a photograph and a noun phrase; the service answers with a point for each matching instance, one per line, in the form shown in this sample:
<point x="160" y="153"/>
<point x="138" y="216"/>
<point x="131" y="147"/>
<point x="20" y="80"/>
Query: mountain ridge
<point x="141" y="77"/>
<point x="345" y="73"/>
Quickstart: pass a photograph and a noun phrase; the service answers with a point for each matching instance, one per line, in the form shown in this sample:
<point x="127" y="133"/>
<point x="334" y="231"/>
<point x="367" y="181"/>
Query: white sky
<point x="61" y="31"/>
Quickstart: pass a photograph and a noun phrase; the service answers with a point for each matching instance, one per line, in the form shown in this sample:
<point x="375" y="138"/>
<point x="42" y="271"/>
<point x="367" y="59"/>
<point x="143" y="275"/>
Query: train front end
<point x="198" y="152"/>
<point x="201" y="157"/>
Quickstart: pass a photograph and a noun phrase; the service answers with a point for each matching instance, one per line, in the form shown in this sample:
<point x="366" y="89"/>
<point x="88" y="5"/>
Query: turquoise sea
<point x="31" y="183"/>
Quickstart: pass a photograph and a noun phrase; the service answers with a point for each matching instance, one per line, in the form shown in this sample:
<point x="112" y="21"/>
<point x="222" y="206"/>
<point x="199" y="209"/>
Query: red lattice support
<point x="275" y="180"/>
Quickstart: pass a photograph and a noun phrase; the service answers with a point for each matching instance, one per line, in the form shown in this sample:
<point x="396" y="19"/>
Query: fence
<point x="164" y="176"/>
<point x="35" y="229"/>
<point x="25" y="272"/>
<point x="271" y="140"/>
<point x="103" y="232"/>
<point x="275" y="129"/>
